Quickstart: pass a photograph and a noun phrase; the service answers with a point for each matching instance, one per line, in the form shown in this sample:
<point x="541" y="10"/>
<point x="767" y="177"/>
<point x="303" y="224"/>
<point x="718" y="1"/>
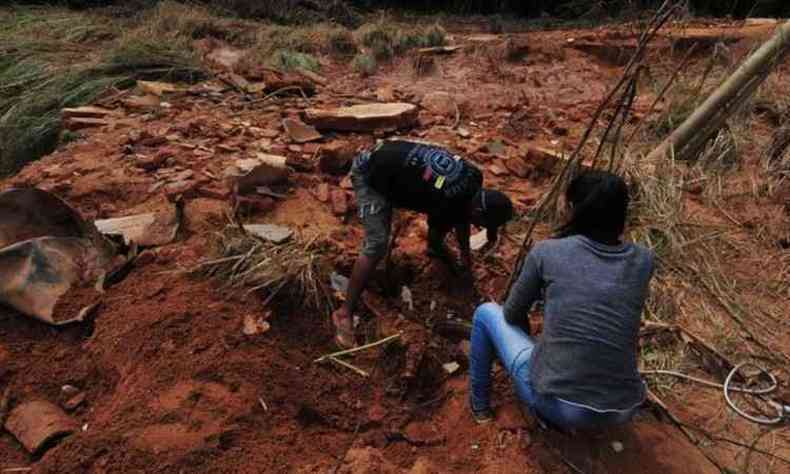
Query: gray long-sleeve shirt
<point x="594" y="295"/>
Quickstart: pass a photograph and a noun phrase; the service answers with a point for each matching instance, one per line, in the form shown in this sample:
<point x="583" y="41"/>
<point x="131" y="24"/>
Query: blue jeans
<point x="491" y="334"/>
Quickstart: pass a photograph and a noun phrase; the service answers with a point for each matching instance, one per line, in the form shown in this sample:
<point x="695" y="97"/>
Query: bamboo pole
<point x="725" y="100"/>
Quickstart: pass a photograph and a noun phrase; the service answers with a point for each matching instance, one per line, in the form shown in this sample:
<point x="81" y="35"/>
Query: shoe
<point x="484" y="416"/>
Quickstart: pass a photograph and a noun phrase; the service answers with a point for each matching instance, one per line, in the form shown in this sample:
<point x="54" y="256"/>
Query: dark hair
<point x="600" y="206"/>
<point x="497" y="208"/>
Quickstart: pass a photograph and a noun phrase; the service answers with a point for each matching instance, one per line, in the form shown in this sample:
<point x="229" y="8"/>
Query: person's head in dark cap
<point x="491" y="210"/>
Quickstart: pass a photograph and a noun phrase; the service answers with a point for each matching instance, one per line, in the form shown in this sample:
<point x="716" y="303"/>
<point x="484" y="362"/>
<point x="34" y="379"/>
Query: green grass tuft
<point x="365" y="64"/>
<point x="287" y="60"/>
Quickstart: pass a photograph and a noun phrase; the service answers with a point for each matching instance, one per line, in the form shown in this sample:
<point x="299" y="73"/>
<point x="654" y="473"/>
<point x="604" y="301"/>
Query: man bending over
<point x="425" y="179"/>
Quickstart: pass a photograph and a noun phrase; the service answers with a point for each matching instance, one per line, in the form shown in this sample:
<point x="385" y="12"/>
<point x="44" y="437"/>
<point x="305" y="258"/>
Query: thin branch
<point x="350" y="367"/>
<point x="358" y="349"/>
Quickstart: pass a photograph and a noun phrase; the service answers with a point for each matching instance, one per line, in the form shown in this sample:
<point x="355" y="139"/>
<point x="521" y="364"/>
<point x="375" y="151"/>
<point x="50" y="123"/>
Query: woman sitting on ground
<point x="581" y="373"/>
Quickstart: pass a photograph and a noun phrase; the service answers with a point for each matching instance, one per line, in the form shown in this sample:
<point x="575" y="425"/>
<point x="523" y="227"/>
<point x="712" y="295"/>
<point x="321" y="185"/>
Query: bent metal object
<point x="46" y="249"/>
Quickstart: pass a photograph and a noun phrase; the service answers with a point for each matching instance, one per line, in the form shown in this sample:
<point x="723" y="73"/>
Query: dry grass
<point x="385" y="39"/>
<point x="296" y="268"/>
<point x="696" y="281"/>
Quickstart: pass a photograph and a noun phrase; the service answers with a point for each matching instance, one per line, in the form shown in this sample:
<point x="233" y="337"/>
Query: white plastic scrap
<point x="451" y="367"/>
<point x="406" y="296"/>
<point x="339" y="282"/>
<point x="479" y="240"/>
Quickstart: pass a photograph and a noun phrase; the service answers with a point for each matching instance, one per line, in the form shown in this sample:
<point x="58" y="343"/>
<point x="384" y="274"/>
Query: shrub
<point x="341" y="43"/>
<point x="287" y="60"/>
<point x="365" y="64"/>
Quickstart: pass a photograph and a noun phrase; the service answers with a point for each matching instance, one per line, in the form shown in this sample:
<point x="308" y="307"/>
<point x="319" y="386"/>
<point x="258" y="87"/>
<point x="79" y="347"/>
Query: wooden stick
<point x="349" y="366"/>
<point x="723" y="102"/>
<point x="358" y="349"/>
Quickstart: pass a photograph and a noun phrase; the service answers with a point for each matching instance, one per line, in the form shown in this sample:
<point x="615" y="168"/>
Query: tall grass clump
<point x="386" y="41"/>
<point x="52" y="59"/>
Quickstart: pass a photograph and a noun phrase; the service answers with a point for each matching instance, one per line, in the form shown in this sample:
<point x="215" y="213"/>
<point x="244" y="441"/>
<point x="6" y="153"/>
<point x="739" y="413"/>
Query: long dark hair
<point x="599" y="203"/>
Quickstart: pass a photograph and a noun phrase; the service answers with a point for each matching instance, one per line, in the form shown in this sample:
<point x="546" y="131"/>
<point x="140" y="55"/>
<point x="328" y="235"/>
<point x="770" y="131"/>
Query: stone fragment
<point x="146" y="230"/>
<point x="247" y="174"/>
<point x="86" y="112"/>
<point x="181" y="188"/>
<point x="157" y="88"/>
<point x="271" y="233"/>
<point x="36" y="424"/>
<point x="497" y="170"/>
<point x="151" y="163"/>
<point x="79" y="123"/>
<point x="300" y="132"/>
<point x="441" y="103"/>
<point x="363" y="118"/>
<point x="144" y="102"/>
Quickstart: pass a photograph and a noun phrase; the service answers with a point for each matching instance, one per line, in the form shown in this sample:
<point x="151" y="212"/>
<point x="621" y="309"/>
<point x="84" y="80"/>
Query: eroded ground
<point x="173" y="385"/>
